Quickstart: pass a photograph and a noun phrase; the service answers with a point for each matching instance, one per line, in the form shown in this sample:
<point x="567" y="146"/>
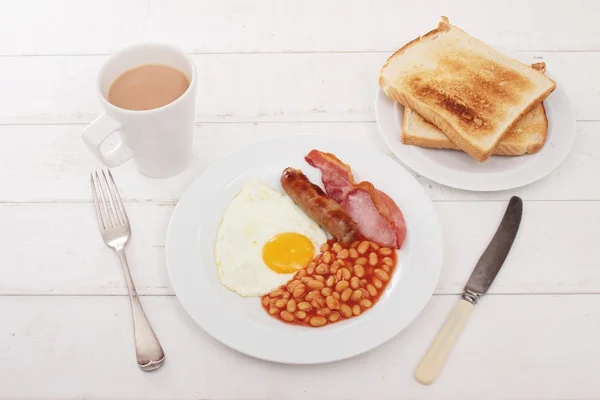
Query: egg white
<point x="254" y="216"/>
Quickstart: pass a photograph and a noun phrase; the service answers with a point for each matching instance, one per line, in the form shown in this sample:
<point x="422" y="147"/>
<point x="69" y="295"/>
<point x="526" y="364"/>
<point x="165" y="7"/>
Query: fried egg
<point x="263" y="239"/>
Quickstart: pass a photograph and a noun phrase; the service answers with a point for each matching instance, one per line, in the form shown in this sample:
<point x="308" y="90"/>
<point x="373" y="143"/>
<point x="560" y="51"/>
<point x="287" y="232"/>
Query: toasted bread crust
<point x="535" y="147"/>
<point x="513" y="145"/>
<point x="410" y="98"/>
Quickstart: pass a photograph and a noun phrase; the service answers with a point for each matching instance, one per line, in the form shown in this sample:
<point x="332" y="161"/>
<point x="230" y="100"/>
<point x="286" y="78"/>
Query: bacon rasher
<point x="378" y="217"/>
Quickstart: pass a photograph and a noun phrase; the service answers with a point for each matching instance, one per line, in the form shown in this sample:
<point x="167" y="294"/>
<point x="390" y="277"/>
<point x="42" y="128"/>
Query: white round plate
<point x="457" y="169"/>
<point x="241" y="323"/>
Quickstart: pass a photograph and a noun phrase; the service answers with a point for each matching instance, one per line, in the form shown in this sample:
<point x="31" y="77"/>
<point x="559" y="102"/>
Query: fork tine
<point x="122" y="211"/>
<point x="108" y="222"/>
<point x="113" y="202"/>
<point x="108" y="200"/>
<point x="99" y="216"/>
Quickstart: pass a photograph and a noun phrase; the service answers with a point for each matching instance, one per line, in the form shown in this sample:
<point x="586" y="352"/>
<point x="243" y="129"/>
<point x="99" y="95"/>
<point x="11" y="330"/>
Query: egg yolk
<point x="288" y="252"/>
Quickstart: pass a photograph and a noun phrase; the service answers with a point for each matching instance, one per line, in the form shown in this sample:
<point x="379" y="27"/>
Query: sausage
<point x="319" y="206"/>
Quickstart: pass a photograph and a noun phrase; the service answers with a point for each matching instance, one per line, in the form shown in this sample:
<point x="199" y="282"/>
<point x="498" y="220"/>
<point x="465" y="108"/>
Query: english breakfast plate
<point x="457" y="169"/>
<point x="218" y="214"/>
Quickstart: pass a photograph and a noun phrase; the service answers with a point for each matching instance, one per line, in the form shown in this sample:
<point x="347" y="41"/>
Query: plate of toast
<point x="469" y="116"/>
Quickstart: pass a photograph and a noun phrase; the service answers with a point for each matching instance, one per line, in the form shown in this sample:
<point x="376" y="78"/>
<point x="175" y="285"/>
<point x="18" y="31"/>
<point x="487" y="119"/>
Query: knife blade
<point x="483" y="275"/>
<point x="493" y="257"/>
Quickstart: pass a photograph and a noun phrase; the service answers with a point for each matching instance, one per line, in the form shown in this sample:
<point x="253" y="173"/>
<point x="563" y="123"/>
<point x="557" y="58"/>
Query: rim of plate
<point x="561" y="118"/>
<point x="301" y="345"/>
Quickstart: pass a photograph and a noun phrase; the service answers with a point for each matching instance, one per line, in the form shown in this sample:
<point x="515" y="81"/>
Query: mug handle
<point x="97" y="132"/>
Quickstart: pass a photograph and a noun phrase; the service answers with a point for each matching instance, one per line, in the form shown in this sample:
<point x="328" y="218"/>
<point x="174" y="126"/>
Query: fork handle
<point x="149" y="352"/>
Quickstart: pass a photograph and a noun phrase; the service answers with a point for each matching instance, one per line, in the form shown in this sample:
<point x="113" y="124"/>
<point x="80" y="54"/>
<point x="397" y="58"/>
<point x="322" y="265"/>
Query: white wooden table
<point x="275" y="68"/>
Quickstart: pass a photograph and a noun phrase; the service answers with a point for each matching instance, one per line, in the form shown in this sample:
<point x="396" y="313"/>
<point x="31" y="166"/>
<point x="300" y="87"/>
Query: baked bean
<point x="359" y="270"/>
<point x="356" y="309"/>
<point x="306" y="279"/>
<point x="362" y="260"/>
<point x="311" y="268"/>
<point x="276" y="293"/>
<point x="345" y="310"/>
<point x="334" y="316"/>
<point x="374" y="246"/>
<point x="341" y="286"/>
<point x="332" y="303"/>
<point x="377" y="282"/>
<point x="304" y="306"/>
<point x="385" y="251"/>
<point x="363" y="282"/>
<point x="354" y="282"/>
<point x="287" y="316"/>
<point x="286" y="295"/>
<point x="265" y="301"/>
<point x="365" y="292"/>
<point x="326" y="291"/>
<point x="335" y="266"/>
<point x="386" y="268"/>
<point x="318" y="321"/>
<point x="318" y="301"/>
<point x="299" y="291"/>
<point x="322" y="269"/>
<point x="343" y="254"/>
<point x="281" y="303"/>
<point x="327" y="257"/>
<point x="353" y="253"/>
<point x="330" y="281"/>
<point x="307" y="319"/>
<point x="273" y="310"/>
<point x="373" y="259"/>
<point x="311" y="295"/>
<point x="320" y="278"/>
<point x="291" y="306"/>
<point x="366" y="303"/>
<point x="336" y="295"/>
<point x="356" y="295"/>
<point x="345" y="296"/>
<point x="324" y="247"/>
<point x="363" y="247"/>
<point x="301" y="273"/>
<point x="272" y="302"/>
<point x="388" y="261"/>
<point x="346" y="274"/>
<point x="300" y="314"/>
<point x="323" y="311"/>
<point x="338" y="275"/>
<point x="315" y="284"/>
<point x="336" y="247"/>
<point x="371" y="289"/>
<point x="354" y="244"/>
<point x="381" y="274"/>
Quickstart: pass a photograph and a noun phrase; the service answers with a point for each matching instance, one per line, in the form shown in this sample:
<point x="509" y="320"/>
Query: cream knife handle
<point x="442" y="344"/>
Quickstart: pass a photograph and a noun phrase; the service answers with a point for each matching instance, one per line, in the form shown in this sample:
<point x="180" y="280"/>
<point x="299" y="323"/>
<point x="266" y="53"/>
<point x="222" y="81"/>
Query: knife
<point x="481" y="278"/>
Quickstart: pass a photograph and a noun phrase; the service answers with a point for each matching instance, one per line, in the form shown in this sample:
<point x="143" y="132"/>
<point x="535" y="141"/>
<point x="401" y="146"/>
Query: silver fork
<point x="114" y="227"/>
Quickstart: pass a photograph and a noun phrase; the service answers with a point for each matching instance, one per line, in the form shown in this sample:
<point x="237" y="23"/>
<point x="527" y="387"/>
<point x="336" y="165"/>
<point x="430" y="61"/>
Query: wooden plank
<point x="553" y="252"/>
<point x="514" y="347"/>
<point x="251" y="87"/>
<point x="103" y="26"/>
<point x="55" y="163"/>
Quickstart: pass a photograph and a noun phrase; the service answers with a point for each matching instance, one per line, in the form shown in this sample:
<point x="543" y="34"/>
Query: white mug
<point x="159" y="140"/>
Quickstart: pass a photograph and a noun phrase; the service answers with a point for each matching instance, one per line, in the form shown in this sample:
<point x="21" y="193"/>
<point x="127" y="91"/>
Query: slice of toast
<point x="471" y="92"/>
<point x="528" y="135"/>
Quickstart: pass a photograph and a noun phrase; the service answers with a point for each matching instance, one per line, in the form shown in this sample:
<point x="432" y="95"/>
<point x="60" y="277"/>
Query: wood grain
<point x="243" y="26"/>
